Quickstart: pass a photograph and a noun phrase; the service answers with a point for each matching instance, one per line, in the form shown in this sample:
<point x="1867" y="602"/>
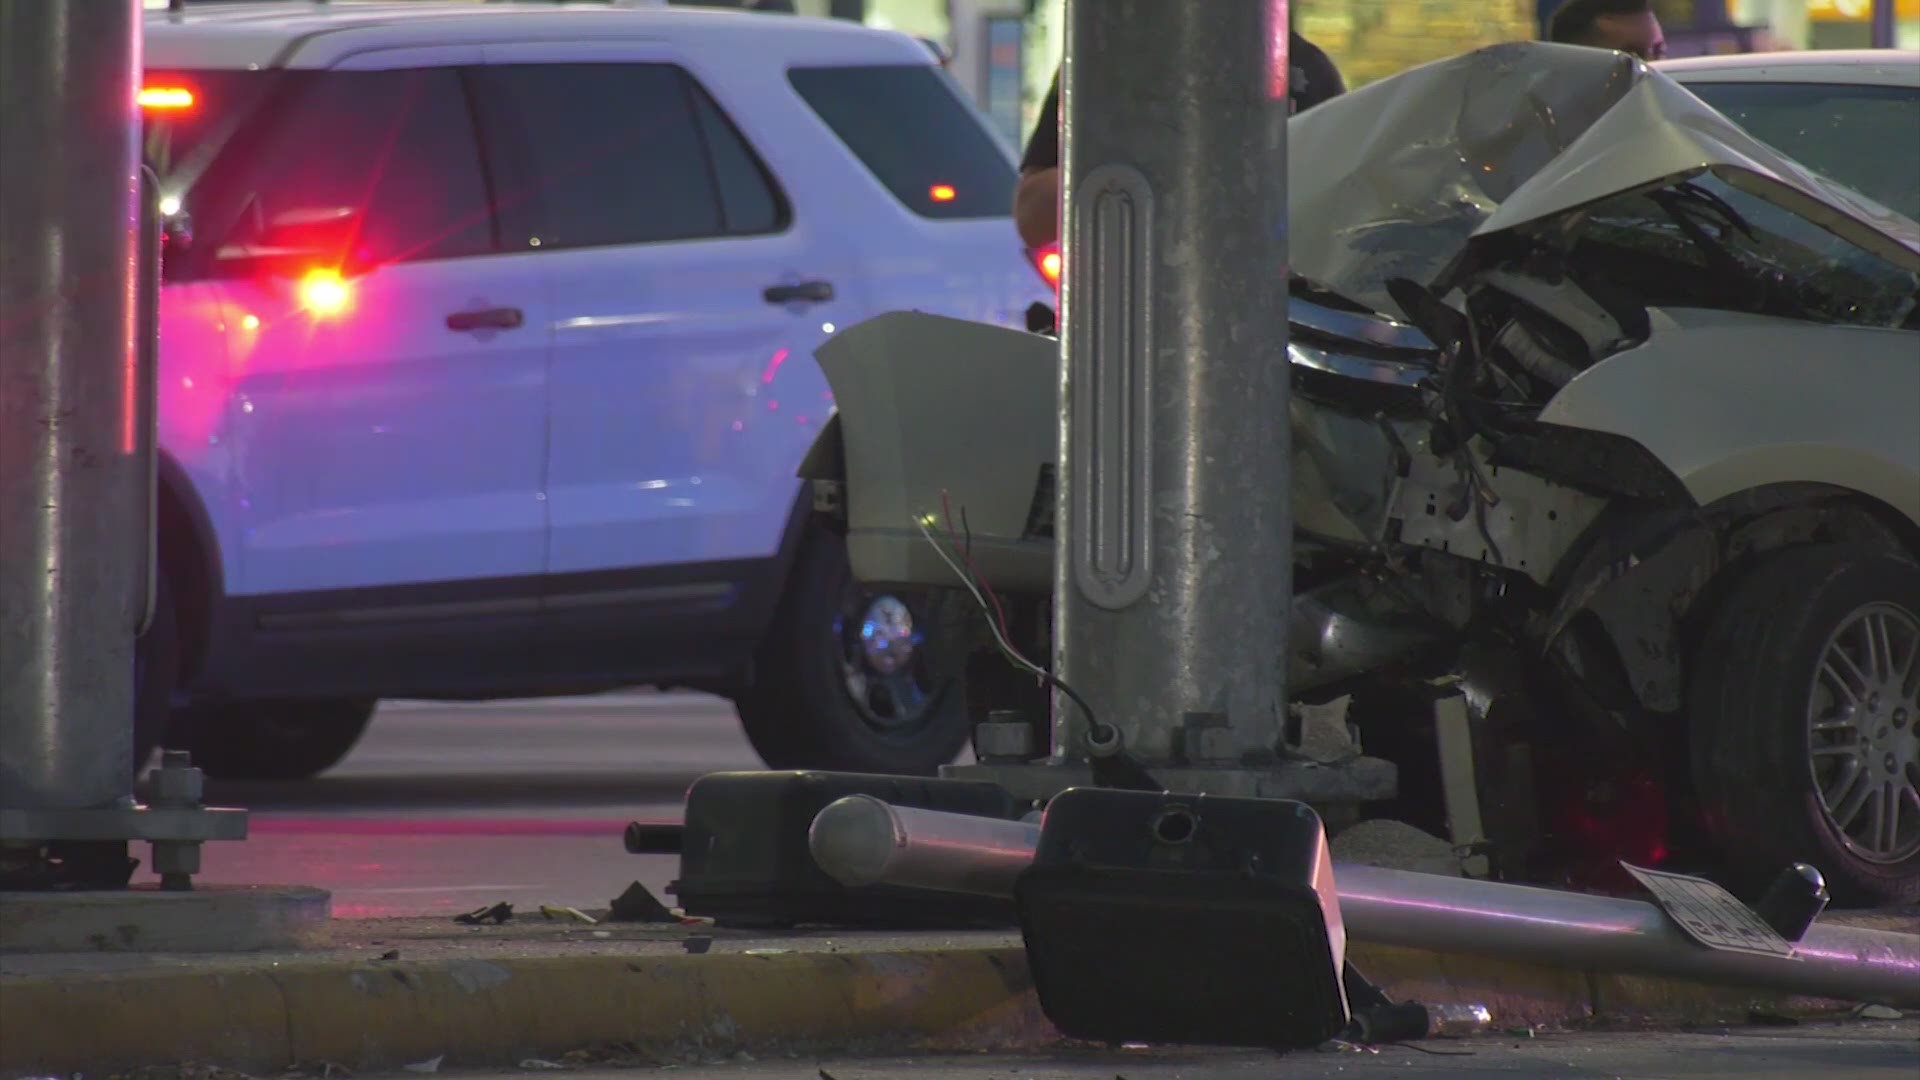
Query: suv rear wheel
<point x="270" y="740"/>
<point x="855" y="680"/>
<point x="1805" y="709"/>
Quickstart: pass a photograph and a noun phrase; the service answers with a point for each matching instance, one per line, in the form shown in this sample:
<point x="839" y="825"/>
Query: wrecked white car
<point x="1600" y="406"/>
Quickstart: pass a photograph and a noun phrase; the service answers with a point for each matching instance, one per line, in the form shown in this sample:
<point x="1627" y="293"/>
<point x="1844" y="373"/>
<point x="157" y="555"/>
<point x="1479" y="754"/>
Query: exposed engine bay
<point x="1563" y="377"/>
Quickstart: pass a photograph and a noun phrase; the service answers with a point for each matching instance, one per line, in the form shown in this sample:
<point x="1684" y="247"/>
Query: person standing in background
<point x="1627" y="25"/>
<point x="1311" y="79"/>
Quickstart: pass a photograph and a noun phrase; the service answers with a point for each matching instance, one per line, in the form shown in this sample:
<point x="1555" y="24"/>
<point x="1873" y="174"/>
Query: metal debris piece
<point x="637" y="904"/>
<point x="495" y="914"/>
<point x="1455" y="1021"/>
<point x="431" y="1065"/>
<point x="555" y="911"/>
<point x="1878" y="1012"/>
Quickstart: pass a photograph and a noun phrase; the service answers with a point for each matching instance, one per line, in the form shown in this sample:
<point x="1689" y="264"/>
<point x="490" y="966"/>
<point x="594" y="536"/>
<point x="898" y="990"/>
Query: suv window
<point x="172" y="133"/>
<point x="910" y="129"/>
<point x="1838" y="131"/>
<point x="364" y="167"/>
<point x="621" y="154"/>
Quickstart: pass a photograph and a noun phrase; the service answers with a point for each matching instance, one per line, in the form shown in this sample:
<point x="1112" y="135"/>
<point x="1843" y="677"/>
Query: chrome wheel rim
<point x="1863" y="747"/>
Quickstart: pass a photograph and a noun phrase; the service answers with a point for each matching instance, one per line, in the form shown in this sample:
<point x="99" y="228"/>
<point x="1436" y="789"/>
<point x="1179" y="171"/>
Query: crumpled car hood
<point x="1400" y="175"/>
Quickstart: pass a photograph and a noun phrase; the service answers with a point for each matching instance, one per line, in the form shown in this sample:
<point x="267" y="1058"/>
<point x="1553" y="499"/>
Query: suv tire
<point x="819" y="699"/>
<point x="1781" y="752"/>
<point x="271" y="740"/>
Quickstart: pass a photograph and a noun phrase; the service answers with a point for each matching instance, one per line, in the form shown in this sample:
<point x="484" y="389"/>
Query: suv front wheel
<point x="270" y="740"/>
<point x="855" y="680"/>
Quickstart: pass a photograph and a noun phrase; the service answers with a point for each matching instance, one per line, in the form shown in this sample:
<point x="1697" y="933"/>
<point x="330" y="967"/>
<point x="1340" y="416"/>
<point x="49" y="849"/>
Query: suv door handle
<point x="500" y="318"/>
<point x="806" y="292"/>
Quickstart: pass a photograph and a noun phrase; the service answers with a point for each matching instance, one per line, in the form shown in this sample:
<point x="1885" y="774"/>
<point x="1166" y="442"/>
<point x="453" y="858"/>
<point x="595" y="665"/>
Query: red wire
<point x="966" y="557"/>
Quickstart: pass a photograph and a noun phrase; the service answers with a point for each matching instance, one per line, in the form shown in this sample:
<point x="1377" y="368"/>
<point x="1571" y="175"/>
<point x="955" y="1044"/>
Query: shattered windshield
<point x="1705" y="243"/>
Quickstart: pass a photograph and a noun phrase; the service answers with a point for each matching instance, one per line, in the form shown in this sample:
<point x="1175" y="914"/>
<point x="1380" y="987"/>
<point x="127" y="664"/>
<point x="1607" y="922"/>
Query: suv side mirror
<point x="176" y="239"/>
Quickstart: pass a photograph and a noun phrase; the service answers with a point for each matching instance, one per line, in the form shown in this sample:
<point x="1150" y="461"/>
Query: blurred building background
<point x="1003" y="52"/>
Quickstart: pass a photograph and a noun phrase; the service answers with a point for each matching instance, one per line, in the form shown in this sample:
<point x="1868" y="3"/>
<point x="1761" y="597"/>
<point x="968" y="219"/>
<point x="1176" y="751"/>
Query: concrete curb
<point x="499" y="1012"/>
<point x="379" y="1015"/>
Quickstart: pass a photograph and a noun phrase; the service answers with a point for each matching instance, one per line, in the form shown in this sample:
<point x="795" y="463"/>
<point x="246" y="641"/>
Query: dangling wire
<point x="996" y="619"/>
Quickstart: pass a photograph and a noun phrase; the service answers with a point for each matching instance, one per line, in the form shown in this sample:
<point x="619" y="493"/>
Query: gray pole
<point x="72" y="482"/>
<point x="1174" y="565"/>
<point x="1883" y="24"/>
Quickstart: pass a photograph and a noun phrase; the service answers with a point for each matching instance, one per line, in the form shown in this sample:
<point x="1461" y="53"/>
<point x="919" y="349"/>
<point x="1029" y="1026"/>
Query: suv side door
<point x="387" y="402"/>
<point x="688" y="302"/>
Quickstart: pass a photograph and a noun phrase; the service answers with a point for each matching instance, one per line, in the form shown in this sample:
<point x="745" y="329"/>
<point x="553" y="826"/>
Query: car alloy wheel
<point x="1863" y="727"/>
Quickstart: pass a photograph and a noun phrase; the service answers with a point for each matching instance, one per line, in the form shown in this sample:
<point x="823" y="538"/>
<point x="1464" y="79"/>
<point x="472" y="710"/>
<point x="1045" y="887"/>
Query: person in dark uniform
<point x="1311" y="79"/>
<point x="1627" y="25"/>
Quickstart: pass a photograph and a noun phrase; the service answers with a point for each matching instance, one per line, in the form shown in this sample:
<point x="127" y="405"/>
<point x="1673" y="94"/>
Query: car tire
<point x="156" y="673"/>
<point x="1792" y="718"/>
<point x="819" y="700"/>
<point x="271" y="740"/>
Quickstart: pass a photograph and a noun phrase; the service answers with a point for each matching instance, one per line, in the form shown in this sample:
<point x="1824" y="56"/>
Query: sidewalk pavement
<point x="388" y="993"/>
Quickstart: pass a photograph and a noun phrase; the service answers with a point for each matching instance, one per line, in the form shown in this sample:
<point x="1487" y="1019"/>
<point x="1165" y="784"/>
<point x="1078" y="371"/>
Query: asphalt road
<point x="445" y="807"/>
<point x="1863" y="1049"/>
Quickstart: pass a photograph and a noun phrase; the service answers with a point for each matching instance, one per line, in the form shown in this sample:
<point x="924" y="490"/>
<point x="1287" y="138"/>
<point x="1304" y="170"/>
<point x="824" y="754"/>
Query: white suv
<point x="487" y="363"/>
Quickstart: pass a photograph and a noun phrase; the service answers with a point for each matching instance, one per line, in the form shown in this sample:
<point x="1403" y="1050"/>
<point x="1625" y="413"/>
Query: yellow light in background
<point x="943" y="193"/>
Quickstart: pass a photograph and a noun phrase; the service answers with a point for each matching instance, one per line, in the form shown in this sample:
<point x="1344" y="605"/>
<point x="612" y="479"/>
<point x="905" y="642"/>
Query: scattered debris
<point x="1396" y="845"/>
<point x="553" y="911"/>
<point x="825" y="1075"/>
<point x="431" y="1065"/>
<point x="603" y="933"/>
<point x="496" y="914"/>
<point x="540" y="1063"/>
<point x="1878" y="1012"/>
<point x="1327" y="736"/>
<point x="698" y="945"/>
<point x="186" y="1070"/>
<point x="390" y="954"/>
<point x="611" y="1055"/>
<point x="1454" y="1021"/>
<point x="637" y="904"/>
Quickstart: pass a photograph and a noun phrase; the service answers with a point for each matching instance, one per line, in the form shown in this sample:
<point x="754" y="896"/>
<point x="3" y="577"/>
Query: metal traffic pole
<point x="1174" y="569"/>
<point x="76" y="453"/>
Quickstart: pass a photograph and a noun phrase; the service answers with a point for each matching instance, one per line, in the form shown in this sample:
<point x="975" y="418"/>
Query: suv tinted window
<point x="1838" y="131"/>
<point x="913" y="133"/>
<point x="748" y="198"/>
<point x="375" y="166"/>
<point x="621" y="154"/>
<point x="173" y="134"/>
